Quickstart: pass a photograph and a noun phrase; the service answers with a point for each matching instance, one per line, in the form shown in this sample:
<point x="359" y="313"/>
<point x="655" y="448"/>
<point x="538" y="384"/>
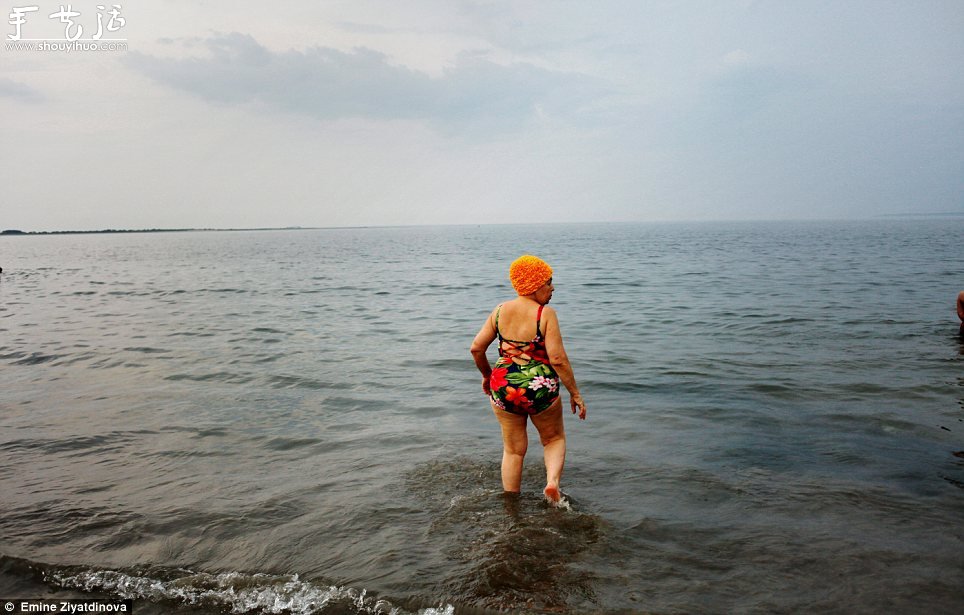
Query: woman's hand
<point x="486" y="387"/>
<point x="576" y="402"/>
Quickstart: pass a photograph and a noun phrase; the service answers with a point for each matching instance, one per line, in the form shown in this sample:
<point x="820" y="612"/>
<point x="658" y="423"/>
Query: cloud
<point x="736" y="57"/>
<point x="330" y="84"/>
<point x="19" y="91"/>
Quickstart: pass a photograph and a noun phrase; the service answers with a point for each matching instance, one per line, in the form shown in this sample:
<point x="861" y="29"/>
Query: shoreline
<point x="19" y="233"/>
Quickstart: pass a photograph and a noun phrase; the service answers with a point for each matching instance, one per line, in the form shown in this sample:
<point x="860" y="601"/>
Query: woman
<point x="525" y="381"/>
<point x="960" y="310"/>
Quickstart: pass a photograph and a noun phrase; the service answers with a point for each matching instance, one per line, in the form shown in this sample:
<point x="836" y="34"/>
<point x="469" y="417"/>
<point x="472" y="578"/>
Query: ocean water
<point x="290" y="422"/>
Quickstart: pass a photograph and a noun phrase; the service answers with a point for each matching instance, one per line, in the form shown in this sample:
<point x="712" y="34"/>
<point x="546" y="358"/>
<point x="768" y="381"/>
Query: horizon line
<point x="19" y="232"/>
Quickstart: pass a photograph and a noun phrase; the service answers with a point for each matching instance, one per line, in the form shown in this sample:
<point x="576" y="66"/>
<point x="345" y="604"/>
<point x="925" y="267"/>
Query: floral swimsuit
<point x="523" y="381"/>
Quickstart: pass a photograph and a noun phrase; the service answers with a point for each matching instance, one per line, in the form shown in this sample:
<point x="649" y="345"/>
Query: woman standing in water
<point x="960" y="310"/>
<point x="524" y="383"/>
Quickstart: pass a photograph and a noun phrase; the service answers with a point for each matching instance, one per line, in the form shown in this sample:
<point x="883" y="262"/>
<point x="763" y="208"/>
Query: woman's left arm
<point x="560" y="362"/>
<point x="480" y="344"/>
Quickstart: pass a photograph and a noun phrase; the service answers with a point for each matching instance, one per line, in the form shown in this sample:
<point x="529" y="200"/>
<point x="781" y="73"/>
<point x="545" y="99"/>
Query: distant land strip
<point x="926" y="214"/>
<point x="152" y="230"/>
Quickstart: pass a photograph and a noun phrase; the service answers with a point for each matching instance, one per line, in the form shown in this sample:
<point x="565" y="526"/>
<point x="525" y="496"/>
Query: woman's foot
<point x="552" y="493"/>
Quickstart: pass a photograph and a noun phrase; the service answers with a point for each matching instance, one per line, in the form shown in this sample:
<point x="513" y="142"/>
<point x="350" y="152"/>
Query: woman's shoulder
<point x="510" y="305"/>
<point x="549" y="320"/>
<point x="516" y="310"/>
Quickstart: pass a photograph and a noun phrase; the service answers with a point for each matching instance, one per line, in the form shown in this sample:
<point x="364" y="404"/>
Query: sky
<point x="361" y="112"/>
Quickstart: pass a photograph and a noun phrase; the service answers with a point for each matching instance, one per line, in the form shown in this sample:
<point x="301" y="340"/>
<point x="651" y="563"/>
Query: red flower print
<point x="517" y="397"/>
<point x="497" y="379"/>
<point x="540" y="356"/>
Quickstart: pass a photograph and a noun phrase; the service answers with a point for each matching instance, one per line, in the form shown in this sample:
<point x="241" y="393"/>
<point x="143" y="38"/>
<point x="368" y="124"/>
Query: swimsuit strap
<point x="516" y="348"/>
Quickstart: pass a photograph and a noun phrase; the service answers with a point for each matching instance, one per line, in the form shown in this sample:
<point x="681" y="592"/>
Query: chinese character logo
<point x="73" y="28"/>
<point x="18" y="17"/>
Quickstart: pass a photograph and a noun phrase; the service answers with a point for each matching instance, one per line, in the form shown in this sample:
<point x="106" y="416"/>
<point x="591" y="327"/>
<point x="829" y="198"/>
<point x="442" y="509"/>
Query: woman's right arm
<point x="560" y="361"/>
<point x="480" y="344"/>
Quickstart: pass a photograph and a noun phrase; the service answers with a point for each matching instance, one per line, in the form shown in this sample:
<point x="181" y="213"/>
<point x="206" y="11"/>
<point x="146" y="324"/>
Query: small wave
<point x="80" y="445"/>
<point x="107" y="363"/>
<point x="193" y="454"/>
<point x="129" y="293"/>
<point x="888" y="423"/>
<point x="77" y="358"/>
<point x="287" y="444"/>
<point x="776" y="389"/>
<point x="289" y="382"/>
<point x="685" y="372"/>
<point x="146" y="349"/>
<point x="626" y="387"/>
<point x="605" y="284"/>
<point x="212" y="377"/>
<point x="455" y="365"/>
<point x="953" y="481"/>
<point x="191" y="334"/>
<point x="58" y="522"/>
<point x="36" y="358"/>
<point x="234" y="592"/>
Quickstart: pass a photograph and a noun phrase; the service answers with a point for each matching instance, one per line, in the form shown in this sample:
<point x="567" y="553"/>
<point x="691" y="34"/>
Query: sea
<point x="291" y="422"/>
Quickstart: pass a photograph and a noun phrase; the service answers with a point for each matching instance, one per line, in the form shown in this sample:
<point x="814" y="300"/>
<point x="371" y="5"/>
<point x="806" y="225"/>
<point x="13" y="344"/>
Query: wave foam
<point x="236" y="592"/>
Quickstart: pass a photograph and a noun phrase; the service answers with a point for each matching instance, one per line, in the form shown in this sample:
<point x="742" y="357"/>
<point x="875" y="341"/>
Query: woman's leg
<point x="515" y="441"/>
<point x="553" y="436"/>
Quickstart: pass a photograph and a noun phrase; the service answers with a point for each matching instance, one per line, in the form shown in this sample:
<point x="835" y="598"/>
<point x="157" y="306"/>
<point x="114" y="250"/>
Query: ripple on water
<point x="219" y="376"/>
<point x="36" y="358"/>
<point x="763" y="440"/>
<point x="503" y="551"/>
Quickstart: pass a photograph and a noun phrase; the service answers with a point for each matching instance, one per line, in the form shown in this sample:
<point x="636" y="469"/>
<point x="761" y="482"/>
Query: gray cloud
<point x="328" y="83"/>
<point x="19" y="91"/>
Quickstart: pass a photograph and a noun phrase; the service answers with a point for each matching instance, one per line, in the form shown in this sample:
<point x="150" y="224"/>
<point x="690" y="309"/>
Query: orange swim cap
<point x="528" y="273"/>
